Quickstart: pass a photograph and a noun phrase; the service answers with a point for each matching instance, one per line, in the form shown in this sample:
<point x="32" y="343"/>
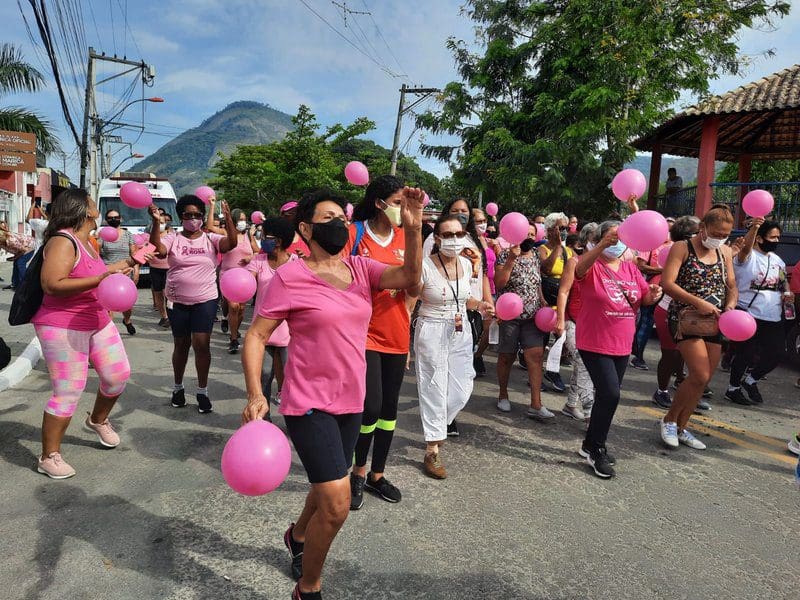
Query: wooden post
<point x="705" y="166"/>
<point x="745" y="169"/>
<point x="655" y="175"/>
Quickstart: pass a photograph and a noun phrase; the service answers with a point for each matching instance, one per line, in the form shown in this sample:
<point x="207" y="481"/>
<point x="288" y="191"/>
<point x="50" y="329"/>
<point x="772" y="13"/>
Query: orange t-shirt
<point x="389" y="327"/>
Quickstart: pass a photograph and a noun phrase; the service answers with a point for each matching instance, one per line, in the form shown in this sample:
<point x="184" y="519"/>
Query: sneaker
<point x="130" y="328"/>
<point x="383" y="487"/>
<point x="669" y="433"/>
<point x="639" y="363"/>
<point x="702" y="406"/>
<point x="233" y="347"/>
<point x="224" y="325"/>
<point x="54" y="467"/>
<point x="277" y="399"/>
<point x="433" y="466"/>
<point x="598" y="460"/>
<point x="662" y="399"/>
<point x="540" y="414"/>
<point x="708" y="393"/>
<point x="554" y="379"/>
<point x="356" y="491"/>
<point x="203" y="404"/>
<point x="521" y="361"/>
<point x="164" y="323"/>
<point x="108" y="437"/>
<point x="295" y="551"/>
<point x="452" y="429"/>
<point x="298" y="595"/>
<point x="178" y="398"/>
<point x="725" y="364"/>
<point x="752" y="392"/>
<point x="686" y="438"/>
<point x="737" y="397"/>
<point x="585" y="452"/>
<point x="479" y="366"/>
<point x="794" y="444"/>
<point x="504" y="405"/>
<point x="573" y="412"/>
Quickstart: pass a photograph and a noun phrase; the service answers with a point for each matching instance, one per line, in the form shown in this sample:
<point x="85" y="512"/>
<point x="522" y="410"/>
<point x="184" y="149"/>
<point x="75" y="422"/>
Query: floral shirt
<point x="525" y="281"/>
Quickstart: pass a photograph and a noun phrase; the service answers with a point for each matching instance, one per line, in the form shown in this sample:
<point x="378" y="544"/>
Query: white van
<point x="136" y="220"/>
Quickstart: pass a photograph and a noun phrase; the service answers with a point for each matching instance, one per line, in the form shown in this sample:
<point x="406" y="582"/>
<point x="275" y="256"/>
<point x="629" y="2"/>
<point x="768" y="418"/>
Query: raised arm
<point x="408" y="275"/>
<point x="155" y="232"/>
<point x="749" y="240"/>
<point x="232" y="239"/>
<point x="212" y="210"/>
<point x="588" y="258"/>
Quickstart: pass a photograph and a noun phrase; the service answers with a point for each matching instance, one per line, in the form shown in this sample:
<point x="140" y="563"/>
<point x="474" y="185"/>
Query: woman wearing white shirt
<point x="763" y="290"/>
<point x="443" y="340"/>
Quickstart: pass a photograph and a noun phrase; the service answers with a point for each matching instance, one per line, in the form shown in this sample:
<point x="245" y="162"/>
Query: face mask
<point x="258" y="234"/>
<point x="573" y="228"/>
<point x="463" y="219"/>
<point x="268" y="246"/>
<point x="615" y="251"/>
<point x="563" y="236"/>
<point x="331" y="236"/>
<point x="241" y="226"/>
<point x="393" y="214"/>
<point x="163" y="227"/>
<point x="192" y="225"/>
<point x="526" y="245"/>
<point x="713" y="243"/>
<point x="481" y="228"/>
<point x="452" y="247"/>
<point x="114" y="222"/>
<point x="590" y="245"/>
<point x="768" y="246"/>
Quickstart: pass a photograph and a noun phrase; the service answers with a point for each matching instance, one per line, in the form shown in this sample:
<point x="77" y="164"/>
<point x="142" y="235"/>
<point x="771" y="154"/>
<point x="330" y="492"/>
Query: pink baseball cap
<point x="289" y="206"/>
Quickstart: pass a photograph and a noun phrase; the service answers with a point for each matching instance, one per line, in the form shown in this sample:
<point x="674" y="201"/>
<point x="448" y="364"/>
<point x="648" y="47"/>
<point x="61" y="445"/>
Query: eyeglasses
<point x="195" y="215"/>
<point x="563" y="228"/>
<point x="449" y="235"/>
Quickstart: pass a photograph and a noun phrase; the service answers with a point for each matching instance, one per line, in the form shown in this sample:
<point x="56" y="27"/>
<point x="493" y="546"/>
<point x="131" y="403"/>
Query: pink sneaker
<point x="54" y="467"/>
<point x="108" y="437"/>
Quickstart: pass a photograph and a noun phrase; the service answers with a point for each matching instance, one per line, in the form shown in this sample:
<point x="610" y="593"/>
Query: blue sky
<point x="209" y="53"/>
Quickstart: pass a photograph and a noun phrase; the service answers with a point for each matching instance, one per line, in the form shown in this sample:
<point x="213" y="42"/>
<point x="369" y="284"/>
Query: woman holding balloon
<point x="192" y="289"/>
<point x="699" y="277"/>
<point x="326" y="299"/>
<point x="74" y="328"/>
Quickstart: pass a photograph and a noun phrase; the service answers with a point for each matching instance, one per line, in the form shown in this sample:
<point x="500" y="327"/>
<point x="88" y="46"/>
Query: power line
<point x="380" y="34"/>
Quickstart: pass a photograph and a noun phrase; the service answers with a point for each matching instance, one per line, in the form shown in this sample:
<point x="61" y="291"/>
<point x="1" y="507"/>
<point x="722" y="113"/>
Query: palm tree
<point x="18" y="76"/>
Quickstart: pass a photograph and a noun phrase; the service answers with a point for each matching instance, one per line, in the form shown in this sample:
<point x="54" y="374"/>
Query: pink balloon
<point x="508" y="306"/>
<point x="514" y="227"/>
<point x="627" y="183"/>
<point x="135" y="195"/>
<point x="348" y="211"/>
<point x="541" y="232"/>
<point x="108" y="234"/>
<point x="117" y="293"/>
<point x="205" y="193"/>
<point x="644" y="231"/>
<point x="426" y="199"/>
<point x="546" y="319"/>
<point x="257" y="217"/>
<point x="663" y="255"/>
<point x="257" y="458"/>
<point x="492" y="209"/>
<point x="356" y="173"/>
<point x="758" y="203"/>
<point x="737" y="325"/>
<point x="237" y="285"/>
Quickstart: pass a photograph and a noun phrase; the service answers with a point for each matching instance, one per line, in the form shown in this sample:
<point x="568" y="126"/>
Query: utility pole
<point x="87" y="109"/>
<point x="423" y="93"/>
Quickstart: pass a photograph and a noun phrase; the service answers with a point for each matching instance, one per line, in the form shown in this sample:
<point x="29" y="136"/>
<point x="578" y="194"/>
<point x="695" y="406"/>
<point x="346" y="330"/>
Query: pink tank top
<point x="232" y="258"/>
<point x="82" y="311"/>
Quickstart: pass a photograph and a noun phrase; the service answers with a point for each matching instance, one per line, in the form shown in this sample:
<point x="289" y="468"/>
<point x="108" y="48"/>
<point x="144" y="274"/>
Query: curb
<point x="18" y="370"/>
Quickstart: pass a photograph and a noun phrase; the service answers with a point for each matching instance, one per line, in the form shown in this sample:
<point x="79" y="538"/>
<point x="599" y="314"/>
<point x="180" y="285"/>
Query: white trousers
<point x="443" y="360"/>
<point x="580" y="391"/>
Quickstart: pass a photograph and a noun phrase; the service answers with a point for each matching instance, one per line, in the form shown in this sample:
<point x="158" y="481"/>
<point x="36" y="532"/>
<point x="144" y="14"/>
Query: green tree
<point x="18" y="76"/>
<point x="546" y="109"/>
<point x="763" y="170"/>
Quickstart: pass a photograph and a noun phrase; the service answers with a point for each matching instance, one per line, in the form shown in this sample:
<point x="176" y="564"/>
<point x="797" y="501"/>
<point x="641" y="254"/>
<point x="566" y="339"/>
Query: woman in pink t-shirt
<point x="612" y="290"/>
<point x="192" y="288"/>
<point x="326" y="299"/>
<point x="74" y="329"/>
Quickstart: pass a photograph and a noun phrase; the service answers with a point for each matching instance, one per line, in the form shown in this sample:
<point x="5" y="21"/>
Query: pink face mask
<point x="573" y="227"/>
<point x="192" y="224"/>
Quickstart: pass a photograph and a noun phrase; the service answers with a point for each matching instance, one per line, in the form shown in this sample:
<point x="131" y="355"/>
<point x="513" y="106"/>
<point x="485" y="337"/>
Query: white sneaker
<point x="504" y="405"/>
<point x="573" y="412"/>
<point x="669" y="434"/>
<point x="686" y="438"/>
<point x="540" y="413"/>
<point x="794" y="444"/>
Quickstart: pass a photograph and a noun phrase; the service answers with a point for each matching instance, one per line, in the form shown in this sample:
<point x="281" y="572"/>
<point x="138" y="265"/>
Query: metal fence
<point x="680" y="202"/>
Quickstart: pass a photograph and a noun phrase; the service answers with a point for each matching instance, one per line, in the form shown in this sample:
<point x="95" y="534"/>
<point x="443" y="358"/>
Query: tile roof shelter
<point x="757" y="121"/>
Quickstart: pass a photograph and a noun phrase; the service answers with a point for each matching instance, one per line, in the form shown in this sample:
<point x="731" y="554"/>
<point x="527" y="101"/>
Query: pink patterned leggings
<point x="68" y="353"/>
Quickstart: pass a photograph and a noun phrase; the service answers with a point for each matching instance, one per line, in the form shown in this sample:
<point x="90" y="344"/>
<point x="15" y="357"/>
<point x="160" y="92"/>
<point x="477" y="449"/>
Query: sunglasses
<point x="449" y="235"/>
<point x="195" y="215"/>
<point x="563" y="228"/>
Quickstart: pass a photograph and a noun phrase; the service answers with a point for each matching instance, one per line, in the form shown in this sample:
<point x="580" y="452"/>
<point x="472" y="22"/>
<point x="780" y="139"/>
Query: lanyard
<point x="447" y="278"/>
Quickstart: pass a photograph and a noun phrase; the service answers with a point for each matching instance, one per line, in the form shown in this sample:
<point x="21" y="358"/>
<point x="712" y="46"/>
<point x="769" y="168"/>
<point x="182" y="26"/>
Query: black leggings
<point x="762" y="352"/>
<point x="385" y="374"/>
<point x="606" y="373"/>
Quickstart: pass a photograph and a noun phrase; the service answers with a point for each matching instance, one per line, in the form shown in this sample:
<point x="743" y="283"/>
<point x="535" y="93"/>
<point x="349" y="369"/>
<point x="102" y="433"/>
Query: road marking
<point x="697" y="426"/>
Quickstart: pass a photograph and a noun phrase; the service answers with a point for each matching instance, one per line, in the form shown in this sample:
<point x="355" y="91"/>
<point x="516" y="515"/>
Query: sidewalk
<point x="17" y="338"/>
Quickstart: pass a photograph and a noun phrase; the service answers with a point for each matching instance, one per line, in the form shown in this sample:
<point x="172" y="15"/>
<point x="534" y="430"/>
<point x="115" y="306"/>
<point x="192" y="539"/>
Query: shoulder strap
<point x="760" y="285"/>
<point x="360" y="229"/>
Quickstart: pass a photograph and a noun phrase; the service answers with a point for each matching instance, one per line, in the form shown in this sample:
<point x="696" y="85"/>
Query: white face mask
<point x="452" y="247"/>
<point x="713" y="243"/>
<point x="163" y="227"/>
<point x="481" y="227"/>
<point x="241" y="226"/>
<point x="590" y="245"/>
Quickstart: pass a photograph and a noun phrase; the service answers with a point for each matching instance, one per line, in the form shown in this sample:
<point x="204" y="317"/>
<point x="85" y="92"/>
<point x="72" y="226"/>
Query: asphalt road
<point x="520" y="516"/>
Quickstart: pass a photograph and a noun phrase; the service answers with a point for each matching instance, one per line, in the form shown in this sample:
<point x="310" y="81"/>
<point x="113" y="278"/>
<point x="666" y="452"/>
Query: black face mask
<point x="526" y="245"/>
<point x="331" y="236"/>
<point x="114" y="221"/>
<point x="768" y="246"/>
<point x="463" y="219"/>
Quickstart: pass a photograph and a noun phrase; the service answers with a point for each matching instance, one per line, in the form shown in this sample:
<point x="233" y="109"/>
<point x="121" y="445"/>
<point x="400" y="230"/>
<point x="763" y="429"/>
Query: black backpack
<point x="28" y="296"/>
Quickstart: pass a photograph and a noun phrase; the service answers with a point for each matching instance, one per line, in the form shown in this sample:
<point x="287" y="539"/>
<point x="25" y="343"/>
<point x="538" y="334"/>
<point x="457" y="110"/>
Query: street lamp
<point x="156" y="99"/>
<point x="127" y="158"/>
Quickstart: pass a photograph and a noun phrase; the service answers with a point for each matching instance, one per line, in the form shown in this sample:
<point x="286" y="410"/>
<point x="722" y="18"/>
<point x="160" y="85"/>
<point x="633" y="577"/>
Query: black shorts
<point x="186" y="319"/>
<point x="158" y="279"/>
<point x="325" y="443"/>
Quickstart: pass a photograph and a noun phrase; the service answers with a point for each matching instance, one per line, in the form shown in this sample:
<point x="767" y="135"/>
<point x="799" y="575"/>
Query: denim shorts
<point x="186" y="319"/>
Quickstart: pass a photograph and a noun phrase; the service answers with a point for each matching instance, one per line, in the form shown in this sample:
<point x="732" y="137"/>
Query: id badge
<point x="459" y="320"/>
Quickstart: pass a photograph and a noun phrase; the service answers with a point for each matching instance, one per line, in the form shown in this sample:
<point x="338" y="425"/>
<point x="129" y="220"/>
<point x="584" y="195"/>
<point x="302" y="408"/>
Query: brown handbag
<point x="692" y="323"/>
